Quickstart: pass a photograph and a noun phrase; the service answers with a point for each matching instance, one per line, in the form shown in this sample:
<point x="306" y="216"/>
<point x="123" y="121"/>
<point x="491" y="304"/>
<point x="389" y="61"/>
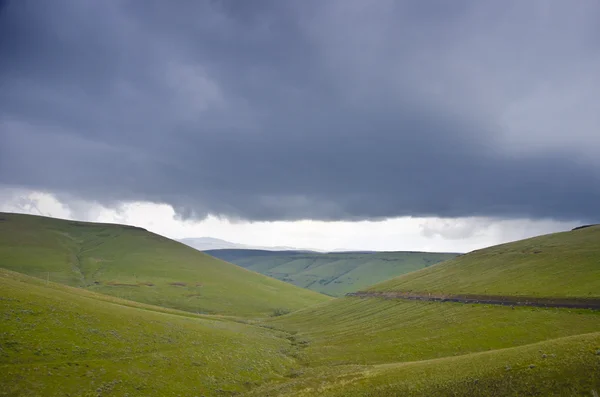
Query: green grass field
<point x="60" y="340"/>
<point x="135" y="264"/>
<point x="376" y="331"/>
<point x="565" y="367"/>
<point x="63" y="341"/>
<point x="556" y="265"/>
<point x="333" y="274"/>
<point x="378" y="347"/>
<point x="388" y="347"/>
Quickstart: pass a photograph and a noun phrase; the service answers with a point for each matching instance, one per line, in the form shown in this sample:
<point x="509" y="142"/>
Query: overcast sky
<point x="324" y="123"/>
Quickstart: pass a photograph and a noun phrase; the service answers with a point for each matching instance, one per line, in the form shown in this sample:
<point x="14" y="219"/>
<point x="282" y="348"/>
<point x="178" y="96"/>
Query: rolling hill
<point x="57" y="340"/>
<point x="333" y="274"/>
<point x="61" y="340"/>
<point x="385" y="345"/>
<point x="563" y="264"/>
<point x="132" y="263"/>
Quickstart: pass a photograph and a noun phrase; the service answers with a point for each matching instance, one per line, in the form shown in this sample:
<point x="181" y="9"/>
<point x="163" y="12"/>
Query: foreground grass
<point x="377" y="331"/>
<point x="555" y="265"/>
<point x="134" y="264"/>
<point x="561" y="367"/>
<point x="333" y="274"/>
<point x="377" y="347"/>
<point x="56" y="340"/>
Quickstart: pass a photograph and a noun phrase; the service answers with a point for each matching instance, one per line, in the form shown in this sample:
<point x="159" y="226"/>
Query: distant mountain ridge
<point x="211" y="243"/>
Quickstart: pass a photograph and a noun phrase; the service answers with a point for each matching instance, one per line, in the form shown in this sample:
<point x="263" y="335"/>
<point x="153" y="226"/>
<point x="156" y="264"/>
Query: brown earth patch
<point x="118" y="284"/>
<point x="178" y="284"/>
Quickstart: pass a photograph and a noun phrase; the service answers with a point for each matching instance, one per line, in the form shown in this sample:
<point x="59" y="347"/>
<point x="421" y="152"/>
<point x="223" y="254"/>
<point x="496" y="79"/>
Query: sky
<point x="314" y="123"/>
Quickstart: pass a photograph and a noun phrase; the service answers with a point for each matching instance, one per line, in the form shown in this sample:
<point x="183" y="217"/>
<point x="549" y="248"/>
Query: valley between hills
<point x="92" y="309"/>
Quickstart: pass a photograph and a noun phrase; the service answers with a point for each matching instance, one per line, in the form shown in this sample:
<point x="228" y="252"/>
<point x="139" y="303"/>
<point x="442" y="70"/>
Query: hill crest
<point x="132" y="263"/>
<point x="558" y="265"/>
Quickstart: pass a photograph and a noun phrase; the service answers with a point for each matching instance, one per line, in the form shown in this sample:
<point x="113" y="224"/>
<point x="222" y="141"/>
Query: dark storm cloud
<point x="305" y="109"/>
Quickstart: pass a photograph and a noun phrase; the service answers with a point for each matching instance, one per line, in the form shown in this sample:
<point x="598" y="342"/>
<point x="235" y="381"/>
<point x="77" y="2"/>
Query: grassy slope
<point x="59" y="340"/>
<point x="567" y="366"/>
<point x="377" y="331"/>
<point x="379" y="347"/>
<point x="335" y="273"/>
<point x="135" y="264"/>
<point x="347" y="347"/>
<point x="354" y="346"/>
<point x="556" y="265"/>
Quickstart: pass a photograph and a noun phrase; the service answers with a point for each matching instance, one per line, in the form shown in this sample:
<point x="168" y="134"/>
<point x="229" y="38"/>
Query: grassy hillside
<point x="58" y="340"/>
<point x="556" y="265"/>
<point x="135" y="264"/>
<point x="374" y="346"/>
<point x="334" y="274"/>
<point x="376" y="331"/>
<point x="383" y="347"/>
<point x="559" y="367"/>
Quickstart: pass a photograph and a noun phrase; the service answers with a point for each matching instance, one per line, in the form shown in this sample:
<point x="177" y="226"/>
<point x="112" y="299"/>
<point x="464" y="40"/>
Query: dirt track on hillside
<point x="569" y="303"/>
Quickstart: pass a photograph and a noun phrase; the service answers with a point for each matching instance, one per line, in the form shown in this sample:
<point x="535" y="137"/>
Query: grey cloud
<point x="305" y="109"/>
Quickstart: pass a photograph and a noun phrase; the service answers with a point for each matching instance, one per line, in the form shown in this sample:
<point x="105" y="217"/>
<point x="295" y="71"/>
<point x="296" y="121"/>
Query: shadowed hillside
<point x="333" y="273"/>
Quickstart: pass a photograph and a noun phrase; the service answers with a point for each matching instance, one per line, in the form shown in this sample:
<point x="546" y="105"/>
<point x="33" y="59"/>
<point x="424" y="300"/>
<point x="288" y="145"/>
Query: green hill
<point x="57" y="340"/>
<point x="60" y="340"/>
<point x="333" y="274"/>
<point x="558" y="367"/>
<point x="383" y="345"/>
<point x="563" y="264"/>
<point x="132" y="263"/>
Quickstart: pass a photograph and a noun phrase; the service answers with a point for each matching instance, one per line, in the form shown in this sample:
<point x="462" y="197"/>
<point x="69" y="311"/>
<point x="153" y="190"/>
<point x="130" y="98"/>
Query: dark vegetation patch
<point x="119" y="284"/>
<point x="584" y="226"/>
<point x="178" y="284"/>
<point x="531" y="251"/>
<point x="132" y="227"/>
<point x="572" y="303"/>
<point x="280" y="311"/>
